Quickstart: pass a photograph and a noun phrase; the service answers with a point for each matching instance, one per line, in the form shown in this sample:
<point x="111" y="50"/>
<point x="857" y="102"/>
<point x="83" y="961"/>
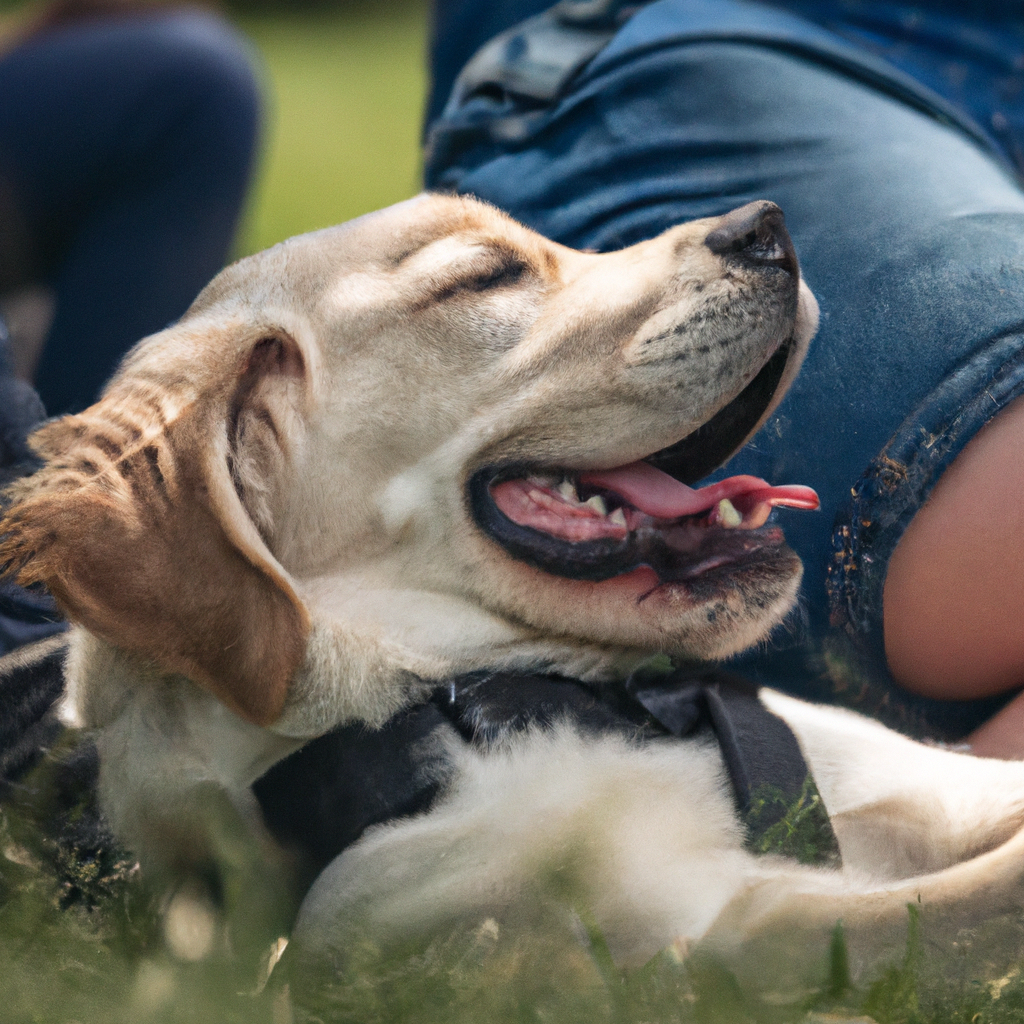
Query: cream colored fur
<point x="645" y="841"/>
<point x="269" y="502"/>
<point x="263" y="531"/>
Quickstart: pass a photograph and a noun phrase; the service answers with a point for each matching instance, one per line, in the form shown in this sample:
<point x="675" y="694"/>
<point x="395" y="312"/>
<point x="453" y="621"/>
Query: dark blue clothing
<point x="25" y="615"/>
<point x="126" y="146"/>
<point x="965" y="50"/>
<point x="900" y="193"/>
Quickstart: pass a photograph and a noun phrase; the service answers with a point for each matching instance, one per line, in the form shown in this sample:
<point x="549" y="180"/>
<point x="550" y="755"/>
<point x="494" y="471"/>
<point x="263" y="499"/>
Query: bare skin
<point x="955" y="587"/>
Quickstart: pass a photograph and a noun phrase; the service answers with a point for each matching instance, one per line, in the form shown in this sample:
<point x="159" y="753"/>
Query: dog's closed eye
<point x="500" y="268"/>
<point x="507" y="272"/>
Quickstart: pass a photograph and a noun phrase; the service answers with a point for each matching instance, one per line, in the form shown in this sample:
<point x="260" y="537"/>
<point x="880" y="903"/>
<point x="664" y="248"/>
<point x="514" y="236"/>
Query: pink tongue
<point x="659" y="495"/>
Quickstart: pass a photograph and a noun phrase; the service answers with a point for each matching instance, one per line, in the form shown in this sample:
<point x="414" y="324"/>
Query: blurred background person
<point x="127" y="141"/>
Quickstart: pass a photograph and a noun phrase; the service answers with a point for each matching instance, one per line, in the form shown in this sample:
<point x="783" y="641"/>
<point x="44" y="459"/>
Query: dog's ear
<point x="136" y="527"/>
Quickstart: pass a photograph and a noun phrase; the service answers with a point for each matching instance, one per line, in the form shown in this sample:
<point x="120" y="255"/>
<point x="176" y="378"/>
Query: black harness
<point x="322" y="798"/>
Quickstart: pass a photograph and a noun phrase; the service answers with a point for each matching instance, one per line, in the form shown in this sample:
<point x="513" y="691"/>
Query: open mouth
<point x="595" y="525"/>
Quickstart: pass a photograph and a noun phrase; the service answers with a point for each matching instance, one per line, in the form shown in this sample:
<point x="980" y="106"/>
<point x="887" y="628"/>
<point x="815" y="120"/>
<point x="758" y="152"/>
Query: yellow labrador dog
<point x="431" y="442"/>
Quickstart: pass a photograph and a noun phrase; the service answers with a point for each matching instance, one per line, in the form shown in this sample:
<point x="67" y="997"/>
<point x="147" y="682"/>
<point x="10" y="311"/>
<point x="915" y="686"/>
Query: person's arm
<point x="954" y="594"/>
<point x="1003" y="734"/>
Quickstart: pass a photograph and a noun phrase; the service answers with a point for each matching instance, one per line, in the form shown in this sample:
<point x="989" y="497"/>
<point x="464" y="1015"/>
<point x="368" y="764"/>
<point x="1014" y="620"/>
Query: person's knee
<point x="208" y="67"/>
<point x="955" y="584"/>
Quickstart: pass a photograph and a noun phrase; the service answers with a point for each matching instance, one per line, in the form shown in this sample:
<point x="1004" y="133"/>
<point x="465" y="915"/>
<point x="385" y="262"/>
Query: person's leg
<point x="955" y="585"/>
<point x="129" y="145"/>
<point x="909" y="234"/>
<point x="458" y="29"/>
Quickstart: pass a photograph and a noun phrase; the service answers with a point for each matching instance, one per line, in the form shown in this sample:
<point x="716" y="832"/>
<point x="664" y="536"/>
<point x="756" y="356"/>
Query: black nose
<point x="755" y="234"/>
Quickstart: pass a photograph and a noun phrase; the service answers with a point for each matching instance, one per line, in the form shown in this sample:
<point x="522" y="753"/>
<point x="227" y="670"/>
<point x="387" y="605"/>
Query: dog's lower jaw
<point x="351" y="673"/>
<point x="700" y="621"/>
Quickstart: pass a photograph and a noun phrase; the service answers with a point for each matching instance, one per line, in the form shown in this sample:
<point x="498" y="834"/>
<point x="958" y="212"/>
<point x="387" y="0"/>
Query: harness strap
<point x="772" y="786"/>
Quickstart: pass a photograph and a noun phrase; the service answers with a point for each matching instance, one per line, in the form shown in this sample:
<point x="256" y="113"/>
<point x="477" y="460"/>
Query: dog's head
<point x="433" y="429"/>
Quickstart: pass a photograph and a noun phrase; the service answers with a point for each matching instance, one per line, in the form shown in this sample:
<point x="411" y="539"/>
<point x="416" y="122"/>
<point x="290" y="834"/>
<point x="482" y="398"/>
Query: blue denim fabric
<point x="909" y="223"/>
<point x="971" y="53"/>
<point x="127" y="143"/>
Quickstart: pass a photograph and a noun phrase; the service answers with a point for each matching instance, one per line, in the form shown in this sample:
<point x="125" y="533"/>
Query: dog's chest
<point x="509" y="729"/>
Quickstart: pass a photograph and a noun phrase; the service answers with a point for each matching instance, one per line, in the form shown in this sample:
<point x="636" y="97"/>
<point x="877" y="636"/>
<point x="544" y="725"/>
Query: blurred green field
<point x="345" y="97"/>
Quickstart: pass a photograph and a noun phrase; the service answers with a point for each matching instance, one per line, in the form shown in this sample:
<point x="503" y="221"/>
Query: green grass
<point x="109" y="965"/>
<point x="84" y="940"/>
<point x="346" y="95"/>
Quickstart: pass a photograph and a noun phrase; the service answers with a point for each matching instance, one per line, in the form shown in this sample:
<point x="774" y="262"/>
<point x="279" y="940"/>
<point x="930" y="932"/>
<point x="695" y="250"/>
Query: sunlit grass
<point x="112" y="965"/>
<point x="346" y="94"/>
<point x="84" y="940"/>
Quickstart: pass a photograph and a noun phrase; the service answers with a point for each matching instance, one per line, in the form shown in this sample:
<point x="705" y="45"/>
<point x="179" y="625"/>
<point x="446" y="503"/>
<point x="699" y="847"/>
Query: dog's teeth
<point x="618" y="517"/>
<point x="542" y="481"/>
<point x="728" y="515"/>
<point x="567" y="489"/>
<point x="597" y="504"/>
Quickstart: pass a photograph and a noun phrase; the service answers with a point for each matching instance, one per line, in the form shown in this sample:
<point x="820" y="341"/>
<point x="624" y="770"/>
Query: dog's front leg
<point x="175" y="772"/>
<point x="779" y="928"/>
<point x="901" y="808"/>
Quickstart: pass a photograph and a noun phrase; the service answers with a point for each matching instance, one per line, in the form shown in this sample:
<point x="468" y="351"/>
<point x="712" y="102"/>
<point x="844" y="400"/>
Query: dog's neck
<point x="349" y="674"/>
